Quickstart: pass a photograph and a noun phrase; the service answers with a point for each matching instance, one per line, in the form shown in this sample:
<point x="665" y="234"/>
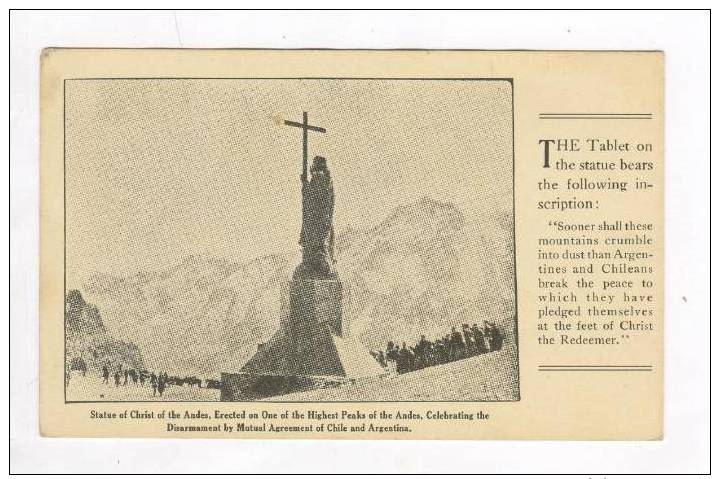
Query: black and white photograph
<point x="291" y="240"/>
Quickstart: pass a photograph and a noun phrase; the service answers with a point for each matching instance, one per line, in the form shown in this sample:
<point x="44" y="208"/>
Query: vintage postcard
<point x="352" y="244"/>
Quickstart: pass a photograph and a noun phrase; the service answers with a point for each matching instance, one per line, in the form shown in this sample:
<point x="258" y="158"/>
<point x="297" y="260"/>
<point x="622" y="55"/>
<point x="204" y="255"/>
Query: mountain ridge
<point x="420" y="270"/>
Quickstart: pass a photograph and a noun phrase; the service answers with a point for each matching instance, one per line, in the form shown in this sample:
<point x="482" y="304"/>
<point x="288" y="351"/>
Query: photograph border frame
<point x="268" y="400"/>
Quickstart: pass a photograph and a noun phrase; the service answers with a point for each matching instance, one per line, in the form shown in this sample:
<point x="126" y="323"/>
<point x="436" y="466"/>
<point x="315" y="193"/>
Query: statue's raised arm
<point x="305" y="128"/>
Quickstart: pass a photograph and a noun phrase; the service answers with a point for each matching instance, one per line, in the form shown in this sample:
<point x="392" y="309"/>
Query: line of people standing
<point x="158" y="382"/>
<point x="469" y="341"/>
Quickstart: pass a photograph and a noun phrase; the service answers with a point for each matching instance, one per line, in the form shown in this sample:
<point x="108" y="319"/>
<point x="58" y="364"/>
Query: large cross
<point x="305" y="127"/>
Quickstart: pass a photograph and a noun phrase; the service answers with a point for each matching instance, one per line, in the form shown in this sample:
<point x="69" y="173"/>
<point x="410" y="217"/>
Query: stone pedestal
<point x="315" y="316"/>
<point x="316" y="302"/>
<point x="309" y="344"/>
<point x="249" y="387"/>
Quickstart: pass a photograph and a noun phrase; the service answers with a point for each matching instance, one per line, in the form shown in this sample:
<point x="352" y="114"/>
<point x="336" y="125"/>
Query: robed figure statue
<point x="317" y="236"/>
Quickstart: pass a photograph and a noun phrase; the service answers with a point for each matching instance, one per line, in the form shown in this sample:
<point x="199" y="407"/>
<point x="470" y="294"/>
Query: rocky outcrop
<point x="89" y="346"/>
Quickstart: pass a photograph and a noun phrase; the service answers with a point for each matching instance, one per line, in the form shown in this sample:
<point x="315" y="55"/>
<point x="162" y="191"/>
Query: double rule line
<point x="595" y="116"/>
<point x="594" y="368"/>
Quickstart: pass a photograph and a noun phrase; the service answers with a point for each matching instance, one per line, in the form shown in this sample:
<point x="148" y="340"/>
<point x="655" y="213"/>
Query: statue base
<point x="310" y="344"/>
<point x="251" y="387"/>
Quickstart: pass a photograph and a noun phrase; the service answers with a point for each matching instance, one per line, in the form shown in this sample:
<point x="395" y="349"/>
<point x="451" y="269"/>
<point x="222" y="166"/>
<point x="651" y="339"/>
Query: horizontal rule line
<point x="595" y="114"/>
<point x="595" y="118"/>
<point x="554" y="370"/>
<point x="595" y="365"/>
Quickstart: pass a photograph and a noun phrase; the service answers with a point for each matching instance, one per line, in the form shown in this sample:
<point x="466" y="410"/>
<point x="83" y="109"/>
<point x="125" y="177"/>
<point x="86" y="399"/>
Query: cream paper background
<point x="552" y="406"/>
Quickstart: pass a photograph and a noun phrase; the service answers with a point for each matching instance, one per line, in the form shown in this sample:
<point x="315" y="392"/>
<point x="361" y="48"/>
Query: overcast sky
<point x="160" y="169"/>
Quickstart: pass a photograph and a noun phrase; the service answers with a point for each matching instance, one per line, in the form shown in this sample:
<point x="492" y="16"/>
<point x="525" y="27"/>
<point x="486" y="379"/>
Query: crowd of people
<point x="469" y="341"/>
<point x="159" y="382"/>
<point x="124" y="376"/>
<point x="397" y="358"/>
